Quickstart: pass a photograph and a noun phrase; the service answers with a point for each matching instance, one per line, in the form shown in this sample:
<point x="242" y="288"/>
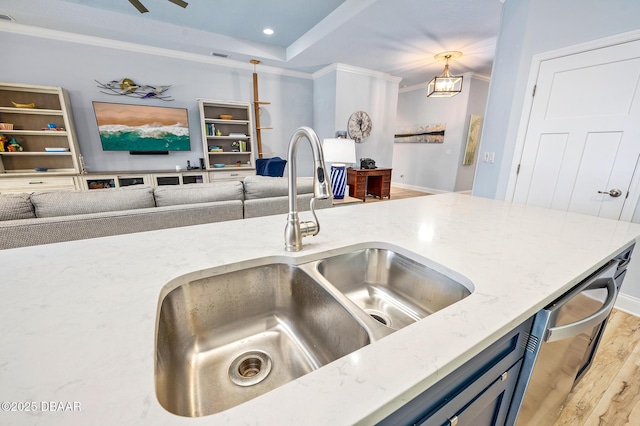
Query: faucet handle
<point x="310" y="228"/>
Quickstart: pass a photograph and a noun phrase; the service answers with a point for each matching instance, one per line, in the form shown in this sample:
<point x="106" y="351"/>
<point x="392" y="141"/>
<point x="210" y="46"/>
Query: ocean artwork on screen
<point x="125" y="127"/>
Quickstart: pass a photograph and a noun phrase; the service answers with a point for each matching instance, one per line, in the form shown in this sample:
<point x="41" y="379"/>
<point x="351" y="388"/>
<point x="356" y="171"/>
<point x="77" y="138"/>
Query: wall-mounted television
<point x="142" y="128"/>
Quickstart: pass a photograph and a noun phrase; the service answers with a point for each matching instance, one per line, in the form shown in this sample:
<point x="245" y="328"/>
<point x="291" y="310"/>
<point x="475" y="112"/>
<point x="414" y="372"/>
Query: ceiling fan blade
<point x="139" y="6"/>
<point x="180" y="3"/>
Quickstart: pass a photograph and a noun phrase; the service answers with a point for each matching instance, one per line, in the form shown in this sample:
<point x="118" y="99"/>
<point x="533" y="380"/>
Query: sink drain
<point x="250" y="368"/>
<point x="380" y="317"/>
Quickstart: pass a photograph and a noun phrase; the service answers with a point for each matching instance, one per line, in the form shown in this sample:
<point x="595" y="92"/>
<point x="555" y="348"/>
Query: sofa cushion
<point x="266" y="186"/>
<point x="280" y="205"/>
<point x="198" y="193"/>
<point x="66" y="203"/>
<point x="34" y="231"/>
<point x="16" y="206"/>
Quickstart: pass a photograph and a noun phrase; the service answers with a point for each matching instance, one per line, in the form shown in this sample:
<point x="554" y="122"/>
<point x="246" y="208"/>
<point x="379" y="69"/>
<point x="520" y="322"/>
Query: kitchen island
<point x="78" y="319"/>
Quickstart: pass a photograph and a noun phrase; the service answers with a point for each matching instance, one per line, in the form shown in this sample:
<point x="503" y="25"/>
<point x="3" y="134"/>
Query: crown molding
<point x="28" y="30"/>
<point x="355" y="70"/>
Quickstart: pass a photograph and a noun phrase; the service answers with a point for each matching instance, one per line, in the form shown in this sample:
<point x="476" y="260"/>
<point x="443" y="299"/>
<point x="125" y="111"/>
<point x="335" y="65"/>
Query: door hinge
<point x="534" y="90"/>
<point x="626" y="196"/>
<point x="518" y="169"/>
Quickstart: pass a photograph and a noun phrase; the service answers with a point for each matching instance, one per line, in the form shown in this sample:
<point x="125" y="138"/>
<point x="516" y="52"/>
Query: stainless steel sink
<point x="228" y="335"/>
<point x="393" y="289"/>
<point x="228" y="338"/>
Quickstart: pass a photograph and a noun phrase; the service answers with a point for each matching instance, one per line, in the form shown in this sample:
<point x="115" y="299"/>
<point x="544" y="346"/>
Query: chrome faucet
<point x="296" y="230"/>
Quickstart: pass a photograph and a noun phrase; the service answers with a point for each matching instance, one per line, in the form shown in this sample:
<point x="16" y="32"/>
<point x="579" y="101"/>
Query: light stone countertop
<point x="77" y="319"/>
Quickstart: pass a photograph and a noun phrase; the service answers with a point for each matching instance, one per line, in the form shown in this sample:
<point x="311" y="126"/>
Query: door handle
<point x="614" y="192"/>
<point x="569" y="330"/>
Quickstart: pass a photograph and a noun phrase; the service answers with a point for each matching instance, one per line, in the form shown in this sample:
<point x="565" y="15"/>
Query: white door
<point x="583" y="138"/>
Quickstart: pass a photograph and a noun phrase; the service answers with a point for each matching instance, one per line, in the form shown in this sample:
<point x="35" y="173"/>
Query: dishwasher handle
<point x="588" y="323"/>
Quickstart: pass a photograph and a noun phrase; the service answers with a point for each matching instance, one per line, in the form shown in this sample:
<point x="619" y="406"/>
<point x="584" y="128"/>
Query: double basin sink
<point x="241" y="331"/>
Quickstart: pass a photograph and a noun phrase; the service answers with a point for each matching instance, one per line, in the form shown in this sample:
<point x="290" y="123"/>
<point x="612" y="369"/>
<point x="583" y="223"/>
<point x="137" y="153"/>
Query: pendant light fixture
<point x="445" y="85"/>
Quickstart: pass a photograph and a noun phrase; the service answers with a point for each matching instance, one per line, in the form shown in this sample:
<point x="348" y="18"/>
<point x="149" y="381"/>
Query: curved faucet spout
<point x="296" y="230"/>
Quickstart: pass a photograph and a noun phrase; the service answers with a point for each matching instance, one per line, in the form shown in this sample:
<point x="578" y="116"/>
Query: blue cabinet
<point x="478" y="393"/>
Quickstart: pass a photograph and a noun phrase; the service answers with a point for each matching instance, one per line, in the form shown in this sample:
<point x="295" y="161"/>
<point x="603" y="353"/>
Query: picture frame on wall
<point x="473" y="135"/>
<point x="429" y="133"/>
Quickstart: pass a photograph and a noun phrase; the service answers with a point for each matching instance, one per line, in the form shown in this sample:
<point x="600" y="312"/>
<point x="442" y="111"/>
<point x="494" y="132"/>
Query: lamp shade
<point x="339" y="150"/>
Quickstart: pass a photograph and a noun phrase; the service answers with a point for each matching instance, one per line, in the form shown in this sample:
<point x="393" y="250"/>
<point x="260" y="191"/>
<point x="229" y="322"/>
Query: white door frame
<point x="536" y="61"/>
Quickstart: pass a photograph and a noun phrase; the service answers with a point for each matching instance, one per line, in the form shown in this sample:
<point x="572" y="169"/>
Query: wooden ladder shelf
<point x="256" y="108"/>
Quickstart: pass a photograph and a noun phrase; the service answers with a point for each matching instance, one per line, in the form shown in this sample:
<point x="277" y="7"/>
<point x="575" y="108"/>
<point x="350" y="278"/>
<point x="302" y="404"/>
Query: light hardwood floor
<point x="609" y="394"/>
<point x="397" y="194"/>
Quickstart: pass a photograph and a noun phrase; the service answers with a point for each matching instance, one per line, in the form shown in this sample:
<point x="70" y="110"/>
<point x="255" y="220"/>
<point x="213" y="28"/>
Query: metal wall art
<point x="430" y="133"/>
<point x="127" y="87"/>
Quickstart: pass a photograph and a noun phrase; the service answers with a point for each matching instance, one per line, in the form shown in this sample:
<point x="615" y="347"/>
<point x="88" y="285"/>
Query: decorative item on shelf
<point x="3" y="143"/>
<point x="338" y="152"/>
<point x="239" y="146"/>
<point x="190" y="167"/>
<point x="218" y="166"/>
<point x="53" y="127"/>
<point x="445" y="85"/>
<point x="218" y="132"/>
<point x="56" y="149"/>
<point x="238" y="163"/>
<point x="14" y="146"/>
<point x="127" y="87"/>
<point x="41" y="169"/>
<point x="226" y="117"/>
<point x="29" y="105"/>
<point x="6" y="126"/>
<point x="83" y="166"/>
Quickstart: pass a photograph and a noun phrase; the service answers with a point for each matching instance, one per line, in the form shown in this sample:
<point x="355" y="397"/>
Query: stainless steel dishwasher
<point x="564" y="339"/>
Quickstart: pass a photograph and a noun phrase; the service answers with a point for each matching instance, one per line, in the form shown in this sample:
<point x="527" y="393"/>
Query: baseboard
<point x="628" y="304"/>
<point x="419" y="188"/>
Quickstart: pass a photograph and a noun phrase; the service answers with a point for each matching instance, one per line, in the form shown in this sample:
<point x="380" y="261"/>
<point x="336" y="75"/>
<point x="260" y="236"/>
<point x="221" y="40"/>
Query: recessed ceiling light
<point x="268" y="31"/>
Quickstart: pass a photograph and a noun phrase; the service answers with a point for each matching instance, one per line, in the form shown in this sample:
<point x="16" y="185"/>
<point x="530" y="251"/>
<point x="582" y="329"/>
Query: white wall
<point x="530" y="27"/>
<point x="341" y="90"/>
<point x="74" y="66"/>
<point x="377" y="95"/>
<point x="437" y="167"/>
<point x="324" y="105"/>
<point x="476" y="106"/>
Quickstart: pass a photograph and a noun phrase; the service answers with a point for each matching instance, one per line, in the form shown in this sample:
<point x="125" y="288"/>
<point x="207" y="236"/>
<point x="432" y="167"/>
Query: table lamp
<point x="338" y="152"/>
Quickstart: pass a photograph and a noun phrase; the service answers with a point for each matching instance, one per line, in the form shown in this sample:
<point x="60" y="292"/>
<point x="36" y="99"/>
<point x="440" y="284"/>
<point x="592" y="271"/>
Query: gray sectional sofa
<point x="55" y="216"/>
